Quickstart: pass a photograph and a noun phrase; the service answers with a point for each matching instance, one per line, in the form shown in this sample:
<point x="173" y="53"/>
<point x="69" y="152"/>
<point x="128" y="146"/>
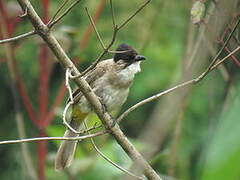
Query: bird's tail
<point x="67" y="149"/>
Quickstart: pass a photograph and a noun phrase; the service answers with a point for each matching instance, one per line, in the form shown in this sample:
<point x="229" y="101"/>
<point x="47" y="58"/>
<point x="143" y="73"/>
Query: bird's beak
<point x="139" y="58"/>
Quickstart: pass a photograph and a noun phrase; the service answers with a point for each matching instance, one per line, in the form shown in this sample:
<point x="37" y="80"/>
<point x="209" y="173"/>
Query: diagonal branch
<point x="52" y="23"/>
<point x="59" y="10"/>
<point x="221" y="50"/>
<point x="193" y="81"/>
<point x="95" y="29"/>
<point x="86" y="35"/>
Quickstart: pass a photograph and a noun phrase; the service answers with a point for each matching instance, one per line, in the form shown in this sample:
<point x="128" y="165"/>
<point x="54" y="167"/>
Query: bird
<point x="110" y="80"/>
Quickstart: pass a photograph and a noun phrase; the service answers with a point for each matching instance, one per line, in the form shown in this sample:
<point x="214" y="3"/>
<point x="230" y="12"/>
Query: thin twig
<point x="193" y="81"/>
<point x="154" y="97"/>
<point x="18" y="37"/>
<point x="221" y="50"/>
<point x="95" y="29"/>
<point x="220" y="40"/>
<point x="225" y="58"/>
<point x="112" y="13"/>
<point x="98" y="35"/>
<point x="58" y="10"/>
<point x="102" y="54"/>
<point x="53" y="138"/>
<point x="52" y="23"/>
<point x="109" y="160"/>
<point x="87" y="34"/>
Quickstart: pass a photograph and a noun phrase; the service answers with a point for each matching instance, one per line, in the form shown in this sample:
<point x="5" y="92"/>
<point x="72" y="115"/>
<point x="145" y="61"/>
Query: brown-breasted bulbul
<point x="110" y="80"/>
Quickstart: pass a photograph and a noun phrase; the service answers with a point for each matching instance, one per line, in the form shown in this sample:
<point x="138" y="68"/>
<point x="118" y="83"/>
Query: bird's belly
<point x="112" y="97"/>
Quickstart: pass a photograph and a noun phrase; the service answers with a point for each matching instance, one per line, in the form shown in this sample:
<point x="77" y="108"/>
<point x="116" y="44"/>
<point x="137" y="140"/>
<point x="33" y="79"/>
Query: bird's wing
<point x="91" y="77"/>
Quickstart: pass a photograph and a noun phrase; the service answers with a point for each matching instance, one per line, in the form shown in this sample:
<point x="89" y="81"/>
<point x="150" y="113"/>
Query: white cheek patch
<point x="131" y="70"/>
<point x="138" y="68"/>
<point x="135" y="67"/>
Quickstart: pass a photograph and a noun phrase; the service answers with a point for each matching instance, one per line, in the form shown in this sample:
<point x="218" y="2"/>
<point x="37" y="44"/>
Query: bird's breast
<point x="113" y="97"/>
<point x="124" y="77"/>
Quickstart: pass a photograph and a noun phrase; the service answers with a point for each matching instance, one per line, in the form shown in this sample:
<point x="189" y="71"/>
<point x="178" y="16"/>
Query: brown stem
<point x="41" y="155"/>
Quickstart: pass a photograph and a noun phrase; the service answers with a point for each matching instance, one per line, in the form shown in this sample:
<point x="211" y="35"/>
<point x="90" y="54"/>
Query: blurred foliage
<point x="209" y="148"/>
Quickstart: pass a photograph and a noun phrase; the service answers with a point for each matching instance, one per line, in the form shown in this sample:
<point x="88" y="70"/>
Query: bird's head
<point x="127" y="55"/>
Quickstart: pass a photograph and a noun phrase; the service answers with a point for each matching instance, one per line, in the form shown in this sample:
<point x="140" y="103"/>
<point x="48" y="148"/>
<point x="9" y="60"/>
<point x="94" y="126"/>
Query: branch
<point x="235" y="60"/>
<point x="152" y="98"/>
<point x="87" y="91"/>
<point x="95" y="29"/>
<point x="193" y="81"/>
<point x="18" y="37"/>
<point x="102" y="54"/>
<point x="53" y="22"/>
<point x="52" y="138"/>
<point x="86" y="35"/>
<point x="221" y="50"/>
<point x="98" y="35"/>
<point x="225" y="58"/>
<point x="113" y="14"/>
<point x="59" y="10"/>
